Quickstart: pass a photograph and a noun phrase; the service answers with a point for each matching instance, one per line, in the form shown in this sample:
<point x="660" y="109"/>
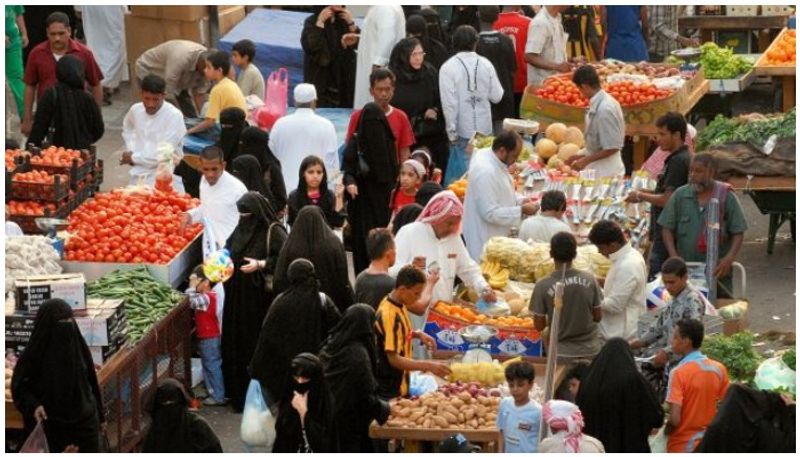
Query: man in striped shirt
<point x="395" y="332"/>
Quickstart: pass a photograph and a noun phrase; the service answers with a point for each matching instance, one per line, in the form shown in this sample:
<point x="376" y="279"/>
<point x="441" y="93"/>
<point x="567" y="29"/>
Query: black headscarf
<point x="311" y="238"/>
<point x="56" y="371"/>
<point x="436" y="51"/>
<point x="399" y="61"/>
<point x="376" y="139"/>
<point x="405" y="216"/>
<point x="426" y="192"/>
<point x="231" y="121"/>
<point x="619" y="406"/>
<point x="255" y="142"/>
<point x="174" y="428"/>
<point x="319" y="420"/>
<point x="67" y="107"/>
<point x="434" y="25"/>
<point x="293" y="325"/>
<point x="261" y="215"/>
<point x="750" y="420"/>
<point x="247" y="169"/>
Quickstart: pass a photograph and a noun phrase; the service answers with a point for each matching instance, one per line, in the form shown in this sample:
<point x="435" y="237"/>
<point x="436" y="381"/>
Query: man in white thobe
<point x="147" y="125"/>
<point x="384" y="26"/>
<point x="468" y="85"/>
<point x="624" y="288"/>
<point x="491" y="206"/>
<point x="301" y="134"/>
<point x="219" y="192"/>
<point x="104" y="27"/>
<point x="546" y="49"/>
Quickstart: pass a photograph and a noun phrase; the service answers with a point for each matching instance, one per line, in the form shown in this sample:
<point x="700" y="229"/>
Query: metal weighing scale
<point x="478" y="337"/>
<point x="51" y="226"/>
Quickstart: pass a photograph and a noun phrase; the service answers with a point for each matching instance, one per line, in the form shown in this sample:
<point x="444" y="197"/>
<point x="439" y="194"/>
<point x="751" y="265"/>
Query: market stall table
<point x="490" y="440"/>
<point x="786" y="74"/>
<point x="773" y="195"/>
<point x="707" y="25"/>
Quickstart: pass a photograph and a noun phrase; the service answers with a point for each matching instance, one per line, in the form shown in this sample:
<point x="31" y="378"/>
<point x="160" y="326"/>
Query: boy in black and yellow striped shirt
<point x="395" y="332"/>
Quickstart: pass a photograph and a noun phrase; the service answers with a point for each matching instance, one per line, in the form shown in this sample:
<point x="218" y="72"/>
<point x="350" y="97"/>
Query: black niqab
<point x="231" y="121"/>
<point x="173" y="427"/>
<point x="752" y="421"/>
<point x="255" y="142"/>
<point x="256" y="215"/>
<point x="56" y="371"/>
<point x="619" y="406"/>
<point x="405" y="216"/>
<point x="247" y="169"/>
<point x="311" y="238"/>
<point x="436" y="51"/>
<point x="434" y="25"/>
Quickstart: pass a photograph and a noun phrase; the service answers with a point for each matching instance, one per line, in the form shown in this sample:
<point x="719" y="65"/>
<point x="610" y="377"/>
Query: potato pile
<point x="440" y="410"/>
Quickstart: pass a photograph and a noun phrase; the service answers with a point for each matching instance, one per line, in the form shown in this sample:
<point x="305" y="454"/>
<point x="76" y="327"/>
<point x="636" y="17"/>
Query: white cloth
<point x="301" y="134"/>
<point x="605" y="129"/>
<point x="384" y="26"/>
<point x="13" y="229"/>
<point x="547" y="38"/>
<point x="104" y="27"/>
<point x="218" y="206"/>
<point x="419" y="240"/>
<point x="540" y="228"/>
<point x="468" y="85"/>
<point x="490" y="206"/>
<point x="624" y="294"/>
<point x="142" y="133"/>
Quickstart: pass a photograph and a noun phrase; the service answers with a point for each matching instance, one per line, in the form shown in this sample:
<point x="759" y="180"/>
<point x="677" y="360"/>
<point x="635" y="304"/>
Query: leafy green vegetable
<point x="789" y="358"/>
<point x="722" y="63"/>
<point x="724" y="130"/>
<point x="736" y="353"/>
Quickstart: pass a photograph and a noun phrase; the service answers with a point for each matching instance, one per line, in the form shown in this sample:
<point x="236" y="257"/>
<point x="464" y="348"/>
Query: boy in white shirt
<point x="549" y="221"/>
<point x="518" y="417"/>
<point x="249" y="79"/>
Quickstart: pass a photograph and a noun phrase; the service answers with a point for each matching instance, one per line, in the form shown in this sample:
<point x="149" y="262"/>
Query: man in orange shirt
<point x="695" y="388"/>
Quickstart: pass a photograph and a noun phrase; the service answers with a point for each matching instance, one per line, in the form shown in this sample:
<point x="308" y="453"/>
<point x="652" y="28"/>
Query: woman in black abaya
<point x="306" y="422"/>
<point x="370" y="207"/>
<point x="255" y="142"/>
<point x="231" y="122"/>
<point x="246" y="300"/>
<point x="299" y="320"/>
<point x="73" y="114"/>
<point x="54" y="380"/>
<point x="619" y="406"/>
<point x="329" y="66"/>
<point x="312" y="239"/>
<point x="349" y="358"/>
<point x="174" y="428"/>
<point x="248" y="171"/>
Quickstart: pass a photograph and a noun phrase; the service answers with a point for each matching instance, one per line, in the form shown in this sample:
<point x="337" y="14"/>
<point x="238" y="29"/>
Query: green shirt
<point x="12" y="31"/>
<point x="684" y="217"/>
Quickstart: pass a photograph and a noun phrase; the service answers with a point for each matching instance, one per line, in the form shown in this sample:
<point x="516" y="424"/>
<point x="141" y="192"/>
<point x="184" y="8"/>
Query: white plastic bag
<point x="658" y="442"/>
<point x="165" y="167"/>
<point x="258" y="423"/>
<point x="36" y="442"/>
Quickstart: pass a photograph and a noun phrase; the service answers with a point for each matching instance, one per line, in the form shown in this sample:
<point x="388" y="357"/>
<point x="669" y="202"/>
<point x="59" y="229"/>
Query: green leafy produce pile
<point x="736" y="353"/>
<point x="147" y="301"/>
<point x="722" y="63"/>
<point x="789" y="358"/>
<point x="755" y="128"/>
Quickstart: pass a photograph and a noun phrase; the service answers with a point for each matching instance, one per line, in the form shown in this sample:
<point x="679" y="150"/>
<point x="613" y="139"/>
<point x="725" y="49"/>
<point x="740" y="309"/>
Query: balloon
<point x="218" y="266"/>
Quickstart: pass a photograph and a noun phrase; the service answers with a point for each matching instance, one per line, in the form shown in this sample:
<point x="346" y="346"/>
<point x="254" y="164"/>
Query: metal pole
<point x="213" y="26"/>
<point x="552" y="353"/>
<point x="712" y="248"/>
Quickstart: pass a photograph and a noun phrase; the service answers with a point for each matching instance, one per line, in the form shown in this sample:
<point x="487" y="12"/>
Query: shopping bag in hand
<point x="37" y="441"/>
<point x="258" y="423"/>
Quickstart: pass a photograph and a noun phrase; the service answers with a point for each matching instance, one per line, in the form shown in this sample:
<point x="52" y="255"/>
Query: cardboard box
<point x="229" y="18"/>
<point x="101" y="354"/>
<point x="32" y="291"/>
<point x="100" y="327"/>
<point x="732" y="326"/>
<point x="19" y="327"/>
<point x="143" y="33"/>
<point x="184" y="13"/>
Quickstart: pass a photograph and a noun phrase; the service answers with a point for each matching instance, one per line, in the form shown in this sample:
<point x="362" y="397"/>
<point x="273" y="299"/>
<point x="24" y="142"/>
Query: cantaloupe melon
<point x="556" y="132"/>
<point x="567" y="150"/>
<point x="575" y="136"/>
<point x="546" y="148"/>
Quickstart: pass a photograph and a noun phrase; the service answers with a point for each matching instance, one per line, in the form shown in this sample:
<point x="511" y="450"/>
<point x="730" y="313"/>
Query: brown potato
<point x="469" y="413"/>
<point x="440" y="421"/>
<point x="451" y="419"/>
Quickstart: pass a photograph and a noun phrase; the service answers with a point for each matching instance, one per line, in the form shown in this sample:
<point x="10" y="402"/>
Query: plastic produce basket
<point x="76" y="172"/>
<point x="28" y="223"/>
<point x="56" y="191"/>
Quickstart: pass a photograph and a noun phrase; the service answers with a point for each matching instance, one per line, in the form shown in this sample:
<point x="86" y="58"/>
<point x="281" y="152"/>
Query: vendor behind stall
<point x="684" y="221"/>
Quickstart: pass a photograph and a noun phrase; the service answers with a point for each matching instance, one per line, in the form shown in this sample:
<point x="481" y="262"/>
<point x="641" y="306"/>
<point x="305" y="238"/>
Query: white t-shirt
<point x="218" y="206"/>
<point x="540" y="229"/>
<point x="546" y="37"/>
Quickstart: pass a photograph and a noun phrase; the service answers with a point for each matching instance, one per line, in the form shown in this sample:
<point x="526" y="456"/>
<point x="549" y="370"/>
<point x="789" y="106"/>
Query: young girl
<point x="423" y="156"/>
<point x="313" y="190"/>
<point x="412" y="173"/>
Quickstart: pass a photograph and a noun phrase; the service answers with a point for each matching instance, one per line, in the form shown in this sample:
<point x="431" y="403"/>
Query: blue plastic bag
<point x="258" y="422"/>
<point x="457" y="163"/>
<point x="421" y="384"/>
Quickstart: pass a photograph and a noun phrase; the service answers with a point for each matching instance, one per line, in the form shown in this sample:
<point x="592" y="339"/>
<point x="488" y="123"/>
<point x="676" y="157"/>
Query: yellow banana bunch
<point x="495" y="274"/>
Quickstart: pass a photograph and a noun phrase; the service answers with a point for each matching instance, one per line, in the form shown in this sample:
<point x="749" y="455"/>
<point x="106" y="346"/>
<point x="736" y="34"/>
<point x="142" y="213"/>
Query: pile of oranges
<point x="473" y="317"/>
<point x="58" y="157"/>
<point x="459" y="188"/>
<point x="783" y="51"/>
<point x="39" y="177"/>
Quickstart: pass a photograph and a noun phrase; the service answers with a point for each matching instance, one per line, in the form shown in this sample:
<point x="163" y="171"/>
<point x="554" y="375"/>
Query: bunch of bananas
<point x="495" y="274"/>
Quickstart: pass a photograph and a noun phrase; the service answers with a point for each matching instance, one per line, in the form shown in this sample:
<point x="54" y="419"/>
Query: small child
<point x="224" y="94"/>
<point x="518" y="417"/>
<point x="412" y="173"/>
<point x="249" y="79"/>
<point x="423" y="156"/>
<point x="313" y="190"/>
<point x="204" y="303"/>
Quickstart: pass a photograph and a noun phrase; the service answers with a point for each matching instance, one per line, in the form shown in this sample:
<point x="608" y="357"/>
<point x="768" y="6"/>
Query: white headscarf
<point x="562" y="415"/>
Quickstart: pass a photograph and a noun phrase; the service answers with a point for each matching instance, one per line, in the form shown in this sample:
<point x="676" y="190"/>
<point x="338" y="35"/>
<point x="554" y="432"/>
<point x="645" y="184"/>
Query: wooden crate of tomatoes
<point x="25" y="213"/>
<point x="73" y="163"/>
<point x="39" y="185"/>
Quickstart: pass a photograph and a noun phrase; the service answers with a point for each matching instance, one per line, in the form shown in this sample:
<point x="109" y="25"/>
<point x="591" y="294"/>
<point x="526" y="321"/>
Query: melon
<point x="556" y="132"/>
<point x="546" y="148"/>
<point x="554" y="162"/>
<point x="567" y="150"/>
<point x="575" y="136"/>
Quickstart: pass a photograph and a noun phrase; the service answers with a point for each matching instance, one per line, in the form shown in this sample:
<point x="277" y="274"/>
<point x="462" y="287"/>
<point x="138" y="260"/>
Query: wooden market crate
<point x="763" y="69"/>
<point x="741" y="10"/>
